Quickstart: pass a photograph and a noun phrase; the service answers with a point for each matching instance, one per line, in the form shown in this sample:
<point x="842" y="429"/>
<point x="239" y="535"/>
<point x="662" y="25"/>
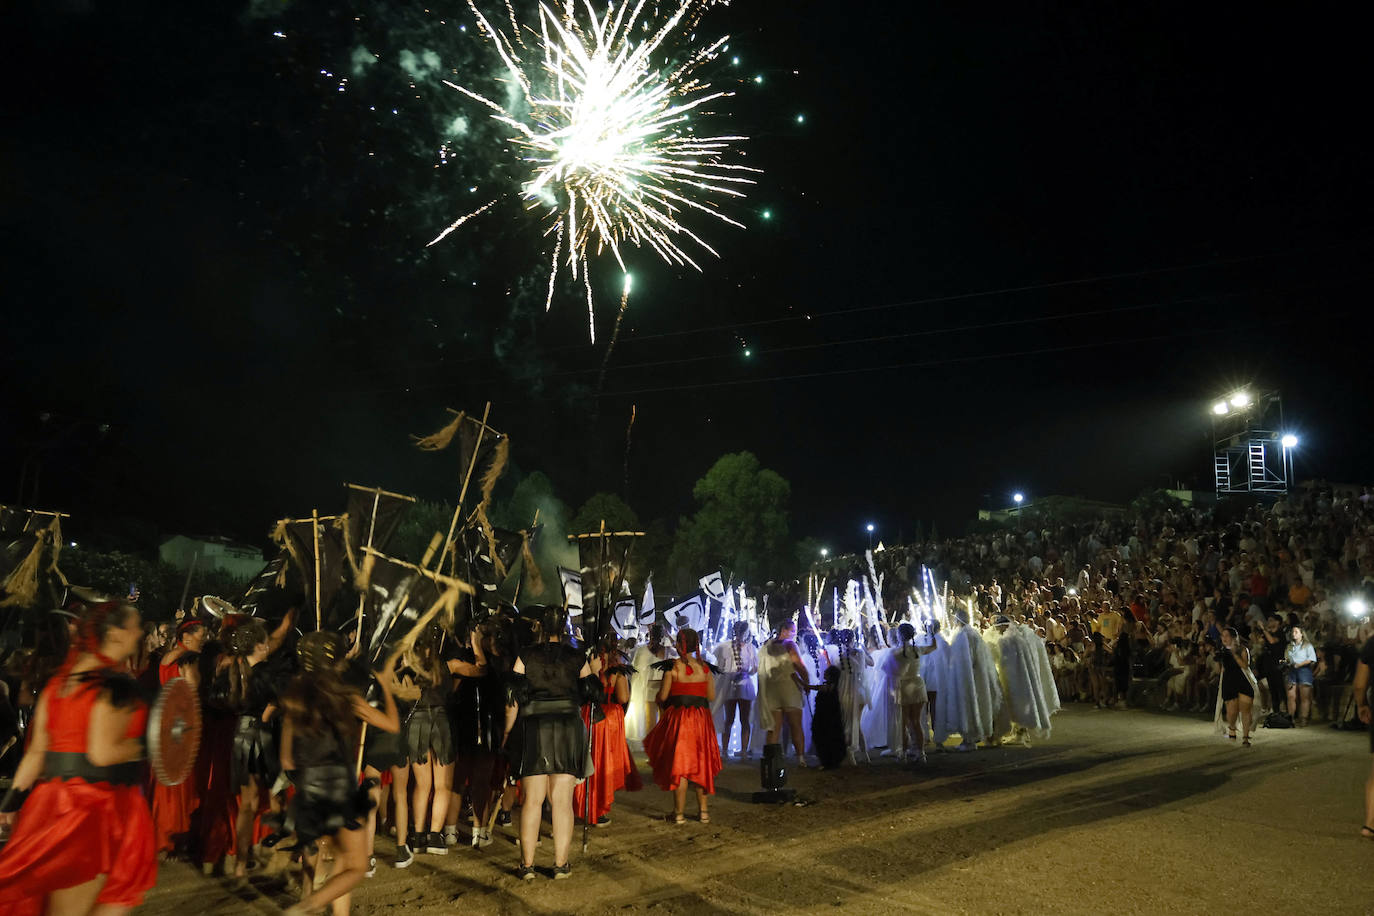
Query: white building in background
<point x="238" y="560"/>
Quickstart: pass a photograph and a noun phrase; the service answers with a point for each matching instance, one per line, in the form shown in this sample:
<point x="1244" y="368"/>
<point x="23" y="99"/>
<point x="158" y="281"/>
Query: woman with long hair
<point x="911" y="693"/>
<point x="477" y="711"/>
<point x="1302" y="663"/>
<point x="614" y="767"/>
<point x="545" y="737"/>
<point x="173" y="806"/>
<point x="682" y="747"/>
<point x="1236" y="698"/>
<point x="427" y="738"/>
<point x="319" y="740"/>
<point x="83" y="842"/>
<point x="242" y="689"/>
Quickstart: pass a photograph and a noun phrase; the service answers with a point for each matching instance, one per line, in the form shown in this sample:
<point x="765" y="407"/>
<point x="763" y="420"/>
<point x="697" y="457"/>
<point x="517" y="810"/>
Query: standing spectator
<point x="1302" y="663"/>
<point x="1271" y="662"/>
<point x="1362" y="702"/>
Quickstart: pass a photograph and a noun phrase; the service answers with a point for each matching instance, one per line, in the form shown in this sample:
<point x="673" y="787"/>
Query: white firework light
<point x="605" y="130"/>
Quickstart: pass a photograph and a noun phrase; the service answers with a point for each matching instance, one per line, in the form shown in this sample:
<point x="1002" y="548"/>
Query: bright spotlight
<point x="1290" y="441"/>
<point x="870" y="527"/>
<point x="825" y="551"/>
<point x="1220" y="408"/>
<point x="1017" y="498"/>
<point x="1240" y="399"/>
<point x="1072" y="591"/>
<point x="1356" y="607"/>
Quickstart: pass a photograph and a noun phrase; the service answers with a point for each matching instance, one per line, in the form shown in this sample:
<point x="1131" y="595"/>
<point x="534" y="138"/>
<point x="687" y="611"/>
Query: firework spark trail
<point x="604" y="132"/>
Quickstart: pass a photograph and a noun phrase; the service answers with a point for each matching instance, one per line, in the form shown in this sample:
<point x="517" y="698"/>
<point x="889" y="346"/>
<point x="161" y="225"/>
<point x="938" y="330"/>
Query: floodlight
<point x="1017" y="498"/>
<point x="1220" y="408"/>
<point x="1290" y="441"/>
<point x="1240" y="399"/>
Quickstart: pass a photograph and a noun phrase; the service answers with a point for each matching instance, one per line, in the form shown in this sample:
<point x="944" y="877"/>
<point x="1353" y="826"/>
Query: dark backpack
<point x="1278" y="720"/>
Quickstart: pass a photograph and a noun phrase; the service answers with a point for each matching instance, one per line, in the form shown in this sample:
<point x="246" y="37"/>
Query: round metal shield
<point x="174" y="732"/>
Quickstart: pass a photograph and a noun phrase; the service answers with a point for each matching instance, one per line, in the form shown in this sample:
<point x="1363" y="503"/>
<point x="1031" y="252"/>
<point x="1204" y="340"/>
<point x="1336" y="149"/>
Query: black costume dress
<point x="549" y="735"/>
<point x="426" y="727"/>
<point x="1233" y="679"/>
<point x="328" y="797"/>
<point x="254" y="748"/>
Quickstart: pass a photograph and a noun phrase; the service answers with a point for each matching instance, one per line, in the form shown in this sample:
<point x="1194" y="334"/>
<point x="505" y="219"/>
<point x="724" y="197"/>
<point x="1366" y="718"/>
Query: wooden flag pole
<point x="362" y="598"/>
<point x="521" y="580"/>
<point x="463" y="492"/>
<point x="315" y="526"/>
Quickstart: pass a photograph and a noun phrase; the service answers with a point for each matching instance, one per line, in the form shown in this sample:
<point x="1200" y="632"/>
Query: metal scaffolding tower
<point x="1248" y="454"/>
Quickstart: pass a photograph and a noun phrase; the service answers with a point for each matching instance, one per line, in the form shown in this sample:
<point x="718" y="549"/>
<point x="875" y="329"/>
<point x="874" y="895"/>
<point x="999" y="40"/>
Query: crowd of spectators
<point x="1132" y="606"/>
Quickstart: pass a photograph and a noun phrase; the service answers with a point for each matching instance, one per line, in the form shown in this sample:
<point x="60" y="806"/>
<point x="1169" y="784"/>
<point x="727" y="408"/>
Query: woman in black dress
<point x="1237" y="690"/>
<point x="243" y="689"/>
<point x="427" y="739"/>
<point x="319" y="743"/>
<point x="545" y="737"/>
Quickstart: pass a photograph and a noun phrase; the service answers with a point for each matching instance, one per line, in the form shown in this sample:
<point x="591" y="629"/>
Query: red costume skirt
<point x="683" y="745"/>
<point x="70" y="831"/>
<point x="615" y="768"/>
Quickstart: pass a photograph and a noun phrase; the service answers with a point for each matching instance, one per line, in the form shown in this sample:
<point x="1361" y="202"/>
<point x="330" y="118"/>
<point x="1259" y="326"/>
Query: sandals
<point x="704" y="818"/>
<point x="1367" y="832"/>
<point x="1246" y="742"/>
<point x="1231" y="734"/>
<point x="677" y="818"/>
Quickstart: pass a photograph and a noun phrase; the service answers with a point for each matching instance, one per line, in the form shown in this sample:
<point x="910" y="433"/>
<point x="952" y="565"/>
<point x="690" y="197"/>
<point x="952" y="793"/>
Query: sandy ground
<point x="1121" y="812"/>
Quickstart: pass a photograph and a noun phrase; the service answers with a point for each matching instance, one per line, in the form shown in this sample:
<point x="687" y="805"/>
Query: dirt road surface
<point x="1120" y="812"/>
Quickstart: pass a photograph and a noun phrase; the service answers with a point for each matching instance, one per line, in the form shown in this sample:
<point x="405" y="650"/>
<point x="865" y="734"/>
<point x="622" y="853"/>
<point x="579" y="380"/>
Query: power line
<point x="924" y="364"/>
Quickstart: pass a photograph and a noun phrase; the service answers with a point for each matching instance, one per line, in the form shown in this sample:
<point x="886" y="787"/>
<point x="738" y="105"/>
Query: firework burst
<point x="604" y="131"/>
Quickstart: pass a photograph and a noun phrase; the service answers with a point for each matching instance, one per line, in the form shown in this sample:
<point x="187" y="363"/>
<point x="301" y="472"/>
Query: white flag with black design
<point x="647" y="609"/>
<point x="692" y="611"/>
<point x="572" y="590"/>
<point x="625" y="618"/>
<point x="713" y="585"/>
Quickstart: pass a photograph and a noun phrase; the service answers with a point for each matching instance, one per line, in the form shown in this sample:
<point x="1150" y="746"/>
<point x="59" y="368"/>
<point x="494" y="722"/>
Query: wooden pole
<point x="521" y="580"/>
<point x="462" y="493"/>
<point x="315" y="526"/>
<point x="362" y="598"/>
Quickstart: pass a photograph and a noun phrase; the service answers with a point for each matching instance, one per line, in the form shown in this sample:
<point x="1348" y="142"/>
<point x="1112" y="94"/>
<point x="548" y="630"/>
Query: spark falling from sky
<point x="606" y="132"/>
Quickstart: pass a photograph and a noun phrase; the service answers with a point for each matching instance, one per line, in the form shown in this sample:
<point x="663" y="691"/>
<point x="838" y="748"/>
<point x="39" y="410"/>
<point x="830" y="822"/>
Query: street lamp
<point x="825" y="552"/>
<point x="1018" y="498"/>
<point x="869" y="526"/>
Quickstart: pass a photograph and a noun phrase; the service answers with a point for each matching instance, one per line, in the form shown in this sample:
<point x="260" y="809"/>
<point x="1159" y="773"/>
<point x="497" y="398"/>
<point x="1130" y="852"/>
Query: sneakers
<point x="603" y="821"/>
<point x="451" y="836"/>
<point x="482" y="837"/>
<point x="503" y="818"/>
<point x="434" y="844"/>
<point x="562" y="871"/>
<point x="404" y="857"/>
<point x="525" y="873"/>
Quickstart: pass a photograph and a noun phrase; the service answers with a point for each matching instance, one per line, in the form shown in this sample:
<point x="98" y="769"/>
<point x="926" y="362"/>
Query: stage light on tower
<point x="1018" y="498"/>
<point x="1240" y="399"/>
<point x="825" y="552"/>
<point x="1290" y="441"/>
<point x="869" y="527"/>
<point x="1221" y="408"/>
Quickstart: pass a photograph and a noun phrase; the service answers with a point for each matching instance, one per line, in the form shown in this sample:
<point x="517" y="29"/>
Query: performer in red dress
<point x="615" y="768"/>
<point x="682" y="747"/>
<point x="84" y="838"/>
<point x="174" y="805"/>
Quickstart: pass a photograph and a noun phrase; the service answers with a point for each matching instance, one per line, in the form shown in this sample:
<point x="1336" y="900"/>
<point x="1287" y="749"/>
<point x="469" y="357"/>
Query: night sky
<point x="1004" y="249"/>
